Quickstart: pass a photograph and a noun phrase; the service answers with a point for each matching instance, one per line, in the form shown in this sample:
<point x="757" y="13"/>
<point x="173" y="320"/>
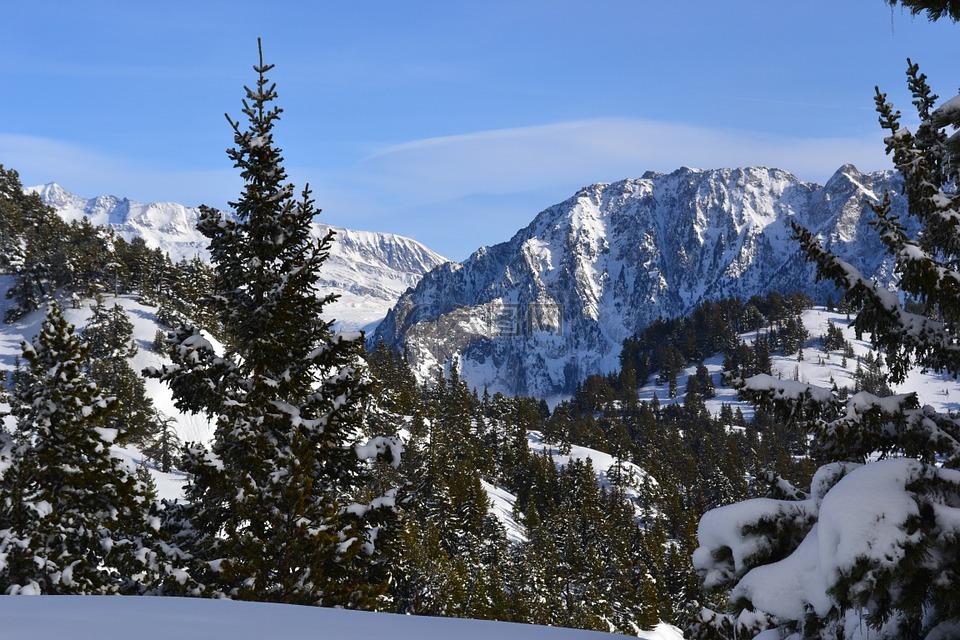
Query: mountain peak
<point x="849" y="169"/>
<point x="54" y="195"/>
<point x="369" y="270"/>
<point x="534" y="315"/>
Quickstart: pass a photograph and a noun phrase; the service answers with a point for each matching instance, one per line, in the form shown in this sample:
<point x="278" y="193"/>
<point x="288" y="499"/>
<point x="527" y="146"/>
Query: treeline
<point x="45" y="254"/>
<point x="597" y="547"/>
<point x="772" y="324"/>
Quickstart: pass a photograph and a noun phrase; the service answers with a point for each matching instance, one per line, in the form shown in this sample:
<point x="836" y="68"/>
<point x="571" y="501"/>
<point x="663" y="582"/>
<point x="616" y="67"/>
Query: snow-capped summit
<point x="538" y="313"/>
<point x="165" y="225"/>
<point x="58" y="197"/>
<point x="369" y="270"/>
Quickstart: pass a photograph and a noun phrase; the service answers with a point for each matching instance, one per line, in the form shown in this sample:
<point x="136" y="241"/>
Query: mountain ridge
<point x="368" y="269"/>
<point x="537" y="313"/>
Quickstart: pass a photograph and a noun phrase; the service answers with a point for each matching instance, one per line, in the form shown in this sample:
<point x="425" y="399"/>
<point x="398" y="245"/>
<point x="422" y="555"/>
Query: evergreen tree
<point x="892" y="561"/>
<point x="833" y="340"/>
<point x="164" y="446"/>
<point x="935" y="9"/>
<point x="278" y="510"/>
<point x="109" y="338"/>
<point x="74" y="518"/>
<point x="35" y="242"/>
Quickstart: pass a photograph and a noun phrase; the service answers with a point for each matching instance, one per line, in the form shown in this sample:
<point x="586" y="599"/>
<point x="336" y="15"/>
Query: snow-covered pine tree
<point x="876" y="539"/>
<point x="73" y="518"/>
<point x="32" y="239"/>
<point x="275" y="509"/>
<point x="11" y="194"/>
<point x="110" y="343"/>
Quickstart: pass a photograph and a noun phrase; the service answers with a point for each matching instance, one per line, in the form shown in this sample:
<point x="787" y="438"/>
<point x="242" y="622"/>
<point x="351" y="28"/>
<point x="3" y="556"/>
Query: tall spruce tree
<point x="73" y="518"/>
<point x="273" y="507"/>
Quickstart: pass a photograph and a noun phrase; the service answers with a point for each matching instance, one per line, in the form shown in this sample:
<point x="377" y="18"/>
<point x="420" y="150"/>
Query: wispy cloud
<point x="456" y="193"/>
<point x="511" y="160"/>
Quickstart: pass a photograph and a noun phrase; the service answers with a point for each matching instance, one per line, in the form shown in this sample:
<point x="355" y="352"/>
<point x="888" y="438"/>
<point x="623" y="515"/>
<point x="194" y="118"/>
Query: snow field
<point x="146" y="618"/>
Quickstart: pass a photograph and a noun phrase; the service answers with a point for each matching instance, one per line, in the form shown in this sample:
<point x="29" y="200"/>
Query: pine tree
<point x="164" y="446"/>
<point x="34" y="241"/>
<point x="109" y="338"/>
<point x="833" y="340"/>
<point x="11" y="197"/>
<point x="276" y="508"/>
<point x="935" y="9"/>
<point x="891" y="562"/>
<point x="75" y="517"/>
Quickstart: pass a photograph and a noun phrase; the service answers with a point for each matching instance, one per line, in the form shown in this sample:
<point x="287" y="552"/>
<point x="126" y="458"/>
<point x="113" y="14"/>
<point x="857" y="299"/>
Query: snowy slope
<point x="190" y="428"/>
<point x="369" y="270"/>
<point x="146" y="618"/>
<point x="818" y="368"/>
<point x="858" y="516"/>
<point x="635" y="479"/>
<point x="536" y="314"/>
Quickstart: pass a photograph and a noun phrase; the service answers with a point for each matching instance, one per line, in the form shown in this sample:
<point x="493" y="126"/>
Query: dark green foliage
<point x="901" y="594"/>
<point x="935" y="9"/>
<point x="279" y="510"/>
<point x="163" y="447"/>
<point x="870" y="377"/>
<point x="667" y="347"/>
<point x="109" y="338"/>
<point x="34" y="248"/>
<point x="833" y="340"/>
<point x="74" y="517"/>
<point x="644" y="571"/>
<point x="48" y="255"/>
<point x="921" y="335"/>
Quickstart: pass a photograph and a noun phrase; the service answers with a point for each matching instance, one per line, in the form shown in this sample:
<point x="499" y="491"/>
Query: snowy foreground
<point x="145" y="618"/>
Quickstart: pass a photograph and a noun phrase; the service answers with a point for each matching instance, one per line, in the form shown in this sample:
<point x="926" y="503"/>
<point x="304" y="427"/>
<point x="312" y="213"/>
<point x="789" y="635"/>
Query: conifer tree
<point x="272" y="507"/>
<point x="892" y="561"/>
<point x="74" y="518"/>
<point x="109" y="338"/>
<point x="935" y="9"/>
<point x="164" y="445"/>
<point x="33" y="238"/>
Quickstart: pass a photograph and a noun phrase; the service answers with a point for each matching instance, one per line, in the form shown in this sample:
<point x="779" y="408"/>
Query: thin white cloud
<point x="521" y="159"/>
<point x="456" y="193"/>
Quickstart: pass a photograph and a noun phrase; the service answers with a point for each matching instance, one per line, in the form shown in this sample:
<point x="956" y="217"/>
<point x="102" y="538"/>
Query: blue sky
<point x="447" y="121"/>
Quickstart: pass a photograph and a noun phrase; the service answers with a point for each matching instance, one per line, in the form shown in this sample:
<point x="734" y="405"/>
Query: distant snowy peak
<point x="168" y="226"/>
<point x="553" y="304"/>
<point x="58" y="197"/>
<point x="374" y="248"/>
<point x="369" y="270"/>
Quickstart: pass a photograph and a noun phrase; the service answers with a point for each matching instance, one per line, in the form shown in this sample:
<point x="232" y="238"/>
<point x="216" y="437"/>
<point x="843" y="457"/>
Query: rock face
<point x="534" y="315"/>
<point x="368" y="270"/>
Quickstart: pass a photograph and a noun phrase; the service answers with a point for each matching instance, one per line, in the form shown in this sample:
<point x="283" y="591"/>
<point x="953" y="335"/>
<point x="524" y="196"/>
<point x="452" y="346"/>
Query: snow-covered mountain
<point x="167" y="225"/>
<point x="369" y="270"/>
<point x="536" y="314"/>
